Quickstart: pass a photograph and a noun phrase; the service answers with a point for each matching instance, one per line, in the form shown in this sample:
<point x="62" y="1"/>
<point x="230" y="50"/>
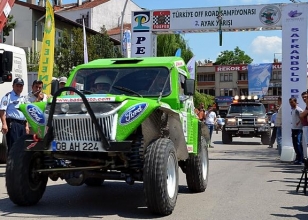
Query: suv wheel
<point x="197" y="168"/>
<point x="226" y="137"/>
<point x="25" y="186"/>
<point x="160" y="176"/>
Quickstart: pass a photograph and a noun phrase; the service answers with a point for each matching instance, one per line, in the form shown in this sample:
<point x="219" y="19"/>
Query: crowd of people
<point x="299" y="128"/>
<point x="14" y="123"/>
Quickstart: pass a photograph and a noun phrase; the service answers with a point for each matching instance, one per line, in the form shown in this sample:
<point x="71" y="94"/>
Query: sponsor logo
<point x="294" y="14"/>
<point x="90" y="99"/>
<point x="270" y="15"/>
<point x="161" y="19"/>
<point x="36" y="114"/>
<point x="132" y="113"/>
<point x="141" y="21"/>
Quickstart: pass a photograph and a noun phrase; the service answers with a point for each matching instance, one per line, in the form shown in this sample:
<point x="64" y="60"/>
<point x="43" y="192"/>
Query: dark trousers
<point x="273" y="137"/>
<point x="15" y="131"/>
<point x="297" y="144"/>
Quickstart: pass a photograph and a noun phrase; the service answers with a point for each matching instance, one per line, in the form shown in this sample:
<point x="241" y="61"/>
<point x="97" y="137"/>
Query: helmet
<point x="102" y="79"/>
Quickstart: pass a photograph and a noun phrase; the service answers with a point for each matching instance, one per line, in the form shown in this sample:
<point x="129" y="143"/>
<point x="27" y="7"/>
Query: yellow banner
<point x="47" y="51"/>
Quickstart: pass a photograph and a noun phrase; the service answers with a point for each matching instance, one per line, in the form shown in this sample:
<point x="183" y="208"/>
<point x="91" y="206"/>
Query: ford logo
<point x="36" y="114"/>
<point x="133" y="113"/>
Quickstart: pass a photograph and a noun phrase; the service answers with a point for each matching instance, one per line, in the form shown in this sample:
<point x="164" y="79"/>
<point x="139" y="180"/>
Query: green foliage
<point x="167" y="44"/>
<point x="70" y="51"/>
<point x="33" y="61"/>
<point x="9" y="26"/>
<point x="233" y="57"/>
<point x="203" y="98"/>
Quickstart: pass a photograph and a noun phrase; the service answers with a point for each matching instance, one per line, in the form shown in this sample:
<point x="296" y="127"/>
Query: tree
<point x="207" y="100"/>
<point x="233" y="57"/>
<point x="167" y="44"/>
<point x="9" y="26"/>
<point x="69" y="53"/>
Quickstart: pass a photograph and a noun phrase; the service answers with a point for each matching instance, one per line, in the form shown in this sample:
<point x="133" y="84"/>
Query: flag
<point x="178" y="52"/>
<point x="191" y="65"/>
<point x="127" y="43"/>
<point x="47" y="50"/>
<point x="85" y="48"/>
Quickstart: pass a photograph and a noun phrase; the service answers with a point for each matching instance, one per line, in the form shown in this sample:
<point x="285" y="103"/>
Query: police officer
<point x="14" y="124"/>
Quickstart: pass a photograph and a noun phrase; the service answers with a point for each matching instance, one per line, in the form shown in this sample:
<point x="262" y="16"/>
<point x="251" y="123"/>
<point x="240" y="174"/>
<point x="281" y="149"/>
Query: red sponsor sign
<point x="161" y="19"/>
<point x="230" y="68"/>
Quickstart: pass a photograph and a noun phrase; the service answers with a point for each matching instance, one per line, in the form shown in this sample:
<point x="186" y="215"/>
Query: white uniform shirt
<point x="10" y="104"/>
<point x="296" y="122"/>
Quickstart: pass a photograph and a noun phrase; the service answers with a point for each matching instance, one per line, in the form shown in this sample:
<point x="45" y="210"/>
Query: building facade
<point x="226" y="81"/>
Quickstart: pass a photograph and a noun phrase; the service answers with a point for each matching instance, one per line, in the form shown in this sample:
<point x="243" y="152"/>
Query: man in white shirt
<point x="36" y="94"/>
<point x="210" y="120"/>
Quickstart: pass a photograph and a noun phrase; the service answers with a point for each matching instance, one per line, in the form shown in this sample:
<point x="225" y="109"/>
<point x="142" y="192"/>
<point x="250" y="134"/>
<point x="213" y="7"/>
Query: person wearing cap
<point x="36" y="94"/>
<point x="62" y="82"/>
<point x="14" y="124"/>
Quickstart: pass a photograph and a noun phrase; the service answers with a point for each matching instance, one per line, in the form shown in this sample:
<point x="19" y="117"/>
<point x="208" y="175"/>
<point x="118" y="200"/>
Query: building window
<point x="226" y="92"/>
<point x="243" y="76"/>
<point x="243" y="91"/>
<point x="225" y="77"/>
<point x="58" y="36"/>
<point x="206" y="77"/>
<point x="207" y="91"/>
<point x="276" y="75"/>
<point x="86" y="20"/>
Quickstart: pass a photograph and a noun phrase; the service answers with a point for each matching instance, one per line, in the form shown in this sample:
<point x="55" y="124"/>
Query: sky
<point x="261" y="46"/>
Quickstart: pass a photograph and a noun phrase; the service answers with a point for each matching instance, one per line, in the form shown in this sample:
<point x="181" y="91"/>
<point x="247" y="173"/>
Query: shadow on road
<point x="113" y="198"/>
<point x="239" y="143"/>
<point x="302" y="216"/>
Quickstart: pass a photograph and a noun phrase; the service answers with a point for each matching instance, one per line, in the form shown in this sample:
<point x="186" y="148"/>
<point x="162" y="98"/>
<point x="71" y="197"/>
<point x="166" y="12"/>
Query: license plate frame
<point x="88" y="146"/>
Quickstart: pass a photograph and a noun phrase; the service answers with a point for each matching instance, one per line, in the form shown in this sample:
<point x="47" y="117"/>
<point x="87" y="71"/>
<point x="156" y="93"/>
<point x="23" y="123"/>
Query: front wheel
<point x="160" y="176"/>
<point x="197" y="168"/>
<point x="25" y="186"/>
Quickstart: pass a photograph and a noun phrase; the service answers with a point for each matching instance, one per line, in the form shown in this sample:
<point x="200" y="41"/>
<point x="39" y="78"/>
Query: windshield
<point x="143" y="81"/>
<point x="247" y="109"/>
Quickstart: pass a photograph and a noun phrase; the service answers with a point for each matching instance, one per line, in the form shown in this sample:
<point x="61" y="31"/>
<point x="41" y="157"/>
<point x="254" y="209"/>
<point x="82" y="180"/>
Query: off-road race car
<point x="129" y="119"/>
<point x="246" y="117"/>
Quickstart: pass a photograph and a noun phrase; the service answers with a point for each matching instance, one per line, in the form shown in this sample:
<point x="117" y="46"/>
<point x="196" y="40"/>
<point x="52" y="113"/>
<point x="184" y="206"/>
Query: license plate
<point x="94" y="146"/>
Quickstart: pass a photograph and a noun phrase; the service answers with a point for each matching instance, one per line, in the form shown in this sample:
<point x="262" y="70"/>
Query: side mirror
<point x="54" y="86"/>
<point x="189" y="87"/>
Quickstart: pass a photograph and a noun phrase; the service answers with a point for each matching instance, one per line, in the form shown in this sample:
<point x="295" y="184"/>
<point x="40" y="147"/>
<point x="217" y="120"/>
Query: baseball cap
<point x="18" y="81"/>
<point x="62" y="79"/>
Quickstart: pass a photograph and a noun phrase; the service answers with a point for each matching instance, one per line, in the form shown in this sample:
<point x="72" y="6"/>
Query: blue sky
<point x="261" y="46"/>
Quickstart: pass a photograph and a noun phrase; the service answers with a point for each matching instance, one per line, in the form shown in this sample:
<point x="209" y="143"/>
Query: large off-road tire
<point x="226" y="137"/>
<point x="266" y="138"/>
<point x="3" y="150"/>
<point x="94" y="182"/>
<point x="24" y="185"/>
<point x="197" y="168"/>
<point x="160" y="176"/>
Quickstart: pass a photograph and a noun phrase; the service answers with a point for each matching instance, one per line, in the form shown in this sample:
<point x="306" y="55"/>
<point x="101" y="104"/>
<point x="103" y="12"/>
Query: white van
<point x="13" y="64"/>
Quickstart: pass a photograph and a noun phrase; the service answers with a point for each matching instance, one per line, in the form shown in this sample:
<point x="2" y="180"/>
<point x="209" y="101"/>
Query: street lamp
<point x="122" y="26"/>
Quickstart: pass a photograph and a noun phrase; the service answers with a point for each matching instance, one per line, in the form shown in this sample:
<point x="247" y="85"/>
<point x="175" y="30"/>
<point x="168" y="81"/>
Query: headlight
<point x="83" y="108"/>
<point x="230" y="121"/>
<point x="65" y="107"/>
<point x="262" y="120"/>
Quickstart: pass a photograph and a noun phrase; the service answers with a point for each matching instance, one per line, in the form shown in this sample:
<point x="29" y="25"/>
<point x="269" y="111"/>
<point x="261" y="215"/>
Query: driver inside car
<point x="102" y="84"/>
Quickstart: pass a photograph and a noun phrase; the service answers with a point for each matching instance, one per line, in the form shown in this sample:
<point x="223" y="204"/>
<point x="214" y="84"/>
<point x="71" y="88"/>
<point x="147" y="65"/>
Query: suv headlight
<point x="262" y="120"/>
<point x="230" y="121"/>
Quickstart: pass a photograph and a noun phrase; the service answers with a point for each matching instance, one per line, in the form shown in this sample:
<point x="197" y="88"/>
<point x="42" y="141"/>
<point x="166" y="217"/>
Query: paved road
<point x="246" y="182"/>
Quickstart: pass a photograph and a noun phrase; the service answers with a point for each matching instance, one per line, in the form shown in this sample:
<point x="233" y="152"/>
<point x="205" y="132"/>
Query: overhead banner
<point x="294" y="65"/>
<point x="259" y="76"/>
<point x="47" y="51"/>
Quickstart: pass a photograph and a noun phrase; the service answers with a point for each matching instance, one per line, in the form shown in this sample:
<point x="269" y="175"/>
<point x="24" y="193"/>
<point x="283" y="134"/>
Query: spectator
<point x="62" y="82"/>
<point x="200" y="112"/>
<point x="273" y="119"/>
<point x="278" y="123"/>
<point x="304" y="121"/>
<point x="36" y="94"/>
<point x="210" y="120"/>
<point x="296" y="130"/>
<point x="14" y="124"/>
<point x="220" y="122"/>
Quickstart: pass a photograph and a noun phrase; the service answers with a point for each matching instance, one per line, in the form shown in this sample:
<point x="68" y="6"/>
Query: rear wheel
<point x="160" y="176"/>
<point x="25" y="186"/>
<point x="3" y="150"/>
<point x="197" y="168"/>
<point x="226" y="137"/>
